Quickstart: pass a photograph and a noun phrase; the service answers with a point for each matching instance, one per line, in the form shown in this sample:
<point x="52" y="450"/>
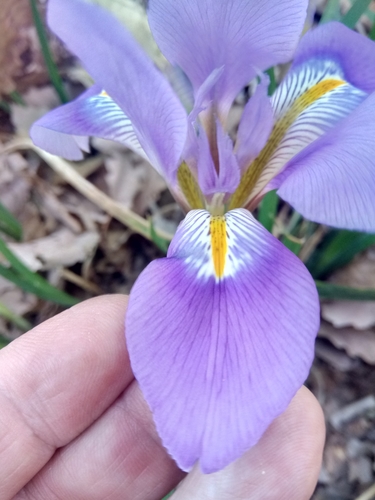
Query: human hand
<point x="74" y="425"/>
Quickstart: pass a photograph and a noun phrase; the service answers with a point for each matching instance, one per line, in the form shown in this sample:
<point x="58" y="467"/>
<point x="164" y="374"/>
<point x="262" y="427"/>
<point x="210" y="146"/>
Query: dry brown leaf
<point x="361" y="315"/>
<point x="20" y="55"/>
<point x="16" y="299"/>
<point x="14" y="186"/>
<point x="89" y="214"/>
<point x="52" y="207"/>
<point x="38" y="101"/>
<point x="130" y="180"/>
<point x="60" y="249"/>
<point x="356" y="344"/>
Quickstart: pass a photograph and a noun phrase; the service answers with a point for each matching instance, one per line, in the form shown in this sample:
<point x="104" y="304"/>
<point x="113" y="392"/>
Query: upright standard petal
<point x="242" y="35"/>
<point x="333" y="180"/>
<point x="221" y="336"/>
<point x="223" y="177"/>
<point x="119" y="66"/>
<point x="94" y="113"/>
<point x="255" y="126"/>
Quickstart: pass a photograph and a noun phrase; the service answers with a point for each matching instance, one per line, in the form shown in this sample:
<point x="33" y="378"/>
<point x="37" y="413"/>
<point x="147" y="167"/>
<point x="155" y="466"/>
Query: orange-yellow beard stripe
<point x="219" y="245"/>
<point x="254" y="171"/>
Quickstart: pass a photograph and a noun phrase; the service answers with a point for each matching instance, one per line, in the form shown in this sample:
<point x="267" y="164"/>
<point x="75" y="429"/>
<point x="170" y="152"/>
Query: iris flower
<point x="221" y="331"/>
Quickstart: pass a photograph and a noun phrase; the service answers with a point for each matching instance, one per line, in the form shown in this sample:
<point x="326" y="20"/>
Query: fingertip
<point x="284" y="465"/>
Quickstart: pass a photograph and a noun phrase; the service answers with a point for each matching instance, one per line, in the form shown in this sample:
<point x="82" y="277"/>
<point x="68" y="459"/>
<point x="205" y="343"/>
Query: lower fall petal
<point x="354" y="52"/>
<point x="333" y="180"/>
<point x="221" y="336"/>
<point x="311" y="100"/>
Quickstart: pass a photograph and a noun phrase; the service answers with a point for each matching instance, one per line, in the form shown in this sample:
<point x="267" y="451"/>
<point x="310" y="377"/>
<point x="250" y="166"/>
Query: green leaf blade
<point x="14" y="318"/>
<point x="267" y="210"/>
<point x="51" y="66"/>
<point x="9" y="224"/>
<point x="30" y="281"/>
<point x="331" y="12"/>
<point x="353" y="15"/>
<point x="338" y="249"/>
<point x="338" y="292"/>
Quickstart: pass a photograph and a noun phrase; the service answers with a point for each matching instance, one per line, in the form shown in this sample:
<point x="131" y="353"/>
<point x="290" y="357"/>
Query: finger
<point x="116" y="461"/>
<point x="284" y="465"/>
<point x="119" y="457"/>
<point x="55" y="381"/>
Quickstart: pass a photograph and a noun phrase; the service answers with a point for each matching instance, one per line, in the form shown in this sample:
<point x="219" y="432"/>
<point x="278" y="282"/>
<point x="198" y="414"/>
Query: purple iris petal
<point x="255" y="126"/>
<point x="311" y="100"/>
<point x="64" y="145"/>
<point x="48" y="135"/>
<point x="355" y="53"/>
<point x="203" y="93"/>
<point x="242" y="35"/>
<point x="207" y="174"/>
<point x="220" y="351"/>
<point x="119" y="66"/>
<point x="332" y="181"/>
<point x="229" y="171"/>
<point x="226" y="177"/>
<point x="92" y="114"/>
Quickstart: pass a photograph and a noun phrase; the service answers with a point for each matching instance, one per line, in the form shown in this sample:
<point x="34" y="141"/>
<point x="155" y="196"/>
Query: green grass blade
<point x="355" y="12"/>
<point x="267" y="210"/>
<point x="5" y="106"/>
<point x="32" y="282"/>
<point x="9" y="224"/>
<point x="13" y="260"/>
<point x="160" y="242"/>
<point x="169" y="495"/>
<point x="338" y="292"/>
<point x="337" y="250"/>
<point x="51" y="66"/>
<point x="17" y="98"/>
<point x="17" y="320"/>
<point x="11" y="275"/>
<point x="36" y="284"/>
<point x="372" y="32"/>
<point x="331" y="12"/>
<point x="292" y="243"/>
<point x="273" y="84"/>
<point x="268" y="207"/>
<point x="3" y="341"/>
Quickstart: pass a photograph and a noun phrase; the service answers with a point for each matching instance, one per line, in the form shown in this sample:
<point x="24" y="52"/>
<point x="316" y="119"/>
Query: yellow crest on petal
<point x="219" y="244"/>
<point x="254" y="172"/>
<point x="189" y="187"/>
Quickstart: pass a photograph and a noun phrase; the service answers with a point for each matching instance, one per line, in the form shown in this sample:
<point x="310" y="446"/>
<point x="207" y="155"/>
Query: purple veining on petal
<point x="296" y="126"/>
<point x="355" y="53"/>
<point x="255" y="125"/>
<point x="332" y="181"/>
<point x="229" y="170"/>
<point x="225" y="176"/>
<point x="92" y="114"/>
<point x="244" y="36"/>
<point x="218" y="361"/>
<point x="118" y="65"/>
